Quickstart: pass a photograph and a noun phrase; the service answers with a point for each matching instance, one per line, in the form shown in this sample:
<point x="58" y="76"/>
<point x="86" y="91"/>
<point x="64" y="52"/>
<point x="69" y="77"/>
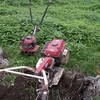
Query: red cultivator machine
<point x="46" y="73"/>
<point x="28" y="43"/>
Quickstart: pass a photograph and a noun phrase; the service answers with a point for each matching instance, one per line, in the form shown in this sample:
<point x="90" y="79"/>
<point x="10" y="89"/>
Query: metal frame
<point x="11" y="71"/>
<point x="44" y="78"/>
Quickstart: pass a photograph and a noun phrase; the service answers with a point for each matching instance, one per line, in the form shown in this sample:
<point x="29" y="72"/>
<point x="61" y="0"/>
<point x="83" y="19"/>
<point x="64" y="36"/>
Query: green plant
<point x="77" y="22"/>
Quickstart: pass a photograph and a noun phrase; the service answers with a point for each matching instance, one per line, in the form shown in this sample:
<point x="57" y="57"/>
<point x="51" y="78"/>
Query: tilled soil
<point x="24" y="89"/>
<point x="18" y="91"/>
<point x="64" y="90"/>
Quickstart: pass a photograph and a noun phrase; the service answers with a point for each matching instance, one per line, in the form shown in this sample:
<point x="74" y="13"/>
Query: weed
<point x="75" y="21"/>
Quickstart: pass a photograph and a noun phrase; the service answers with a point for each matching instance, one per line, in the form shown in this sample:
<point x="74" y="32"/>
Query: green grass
<point x="75" y="21"/>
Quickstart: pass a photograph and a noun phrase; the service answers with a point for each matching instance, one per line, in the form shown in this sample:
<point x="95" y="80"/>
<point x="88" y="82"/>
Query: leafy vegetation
<point x="75" y="21"/>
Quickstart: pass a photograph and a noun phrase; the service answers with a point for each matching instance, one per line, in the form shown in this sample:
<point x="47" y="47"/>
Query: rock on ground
<point x="3" y="62"/>
<point x="93" y="90"/>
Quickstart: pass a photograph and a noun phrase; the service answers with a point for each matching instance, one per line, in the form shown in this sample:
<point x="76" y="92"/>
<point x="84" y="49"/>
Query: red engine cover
<point x="54" y="48"/>
<point x="28" y="40"/>
<point x="28" y="44"/>
<point x="44" y="63"/>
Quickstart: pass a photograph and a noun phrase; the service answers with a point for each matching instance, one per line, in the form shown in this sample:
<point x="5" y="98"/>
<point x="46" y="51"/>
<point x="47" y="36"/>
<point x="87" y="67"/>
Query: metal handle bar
<point x="45" y="96"/>
<point x="30" y="10"/>
<point x="49" y="2"/>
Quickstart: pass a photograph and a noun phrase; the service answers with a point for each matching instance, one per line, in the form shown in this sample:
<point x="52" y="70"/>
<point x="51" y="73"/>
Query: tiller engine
<point x="28" y="43"/>
<point x="56" y="49"/>
<point x="53" y="73"/>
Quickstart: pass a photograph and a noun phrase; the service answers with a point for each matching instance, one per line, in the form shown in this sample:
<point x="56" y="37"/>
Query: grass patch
<point x="75" y="21"/>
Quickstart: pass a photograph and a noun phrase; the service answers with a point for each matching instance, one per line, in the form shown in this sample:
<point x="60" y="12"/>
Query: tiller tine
<point x="57" y="76"/>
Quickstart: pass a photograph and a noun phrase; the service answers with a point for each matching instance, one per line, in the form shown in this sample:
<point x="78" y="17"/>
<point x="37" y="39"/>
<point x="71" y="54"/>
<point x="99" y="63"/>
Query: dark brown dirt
<point x="23" y="89"/>
<point x="65" y="91"/>
<point x="19" y="91"/>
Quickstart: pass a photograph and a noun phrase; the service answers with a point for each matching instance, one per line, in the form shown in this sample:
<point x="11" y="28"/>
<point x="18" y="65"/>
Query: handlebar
<point x="45" y="96"/>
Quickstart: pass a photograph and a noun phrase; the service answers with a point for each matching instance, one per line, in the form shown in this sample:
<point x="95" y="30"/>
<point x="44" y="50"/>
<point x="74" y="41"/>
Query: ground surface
<point x="77" y="22"/>
<point x="19" y="91"/>
<point x="24" y="89"/>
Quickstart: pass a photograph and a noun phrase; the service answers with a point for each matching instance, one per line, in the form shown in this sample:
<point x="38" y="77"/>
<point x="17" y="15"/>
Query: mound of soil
<point x="69" y="88"/>
<point x="19" y="91"/>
